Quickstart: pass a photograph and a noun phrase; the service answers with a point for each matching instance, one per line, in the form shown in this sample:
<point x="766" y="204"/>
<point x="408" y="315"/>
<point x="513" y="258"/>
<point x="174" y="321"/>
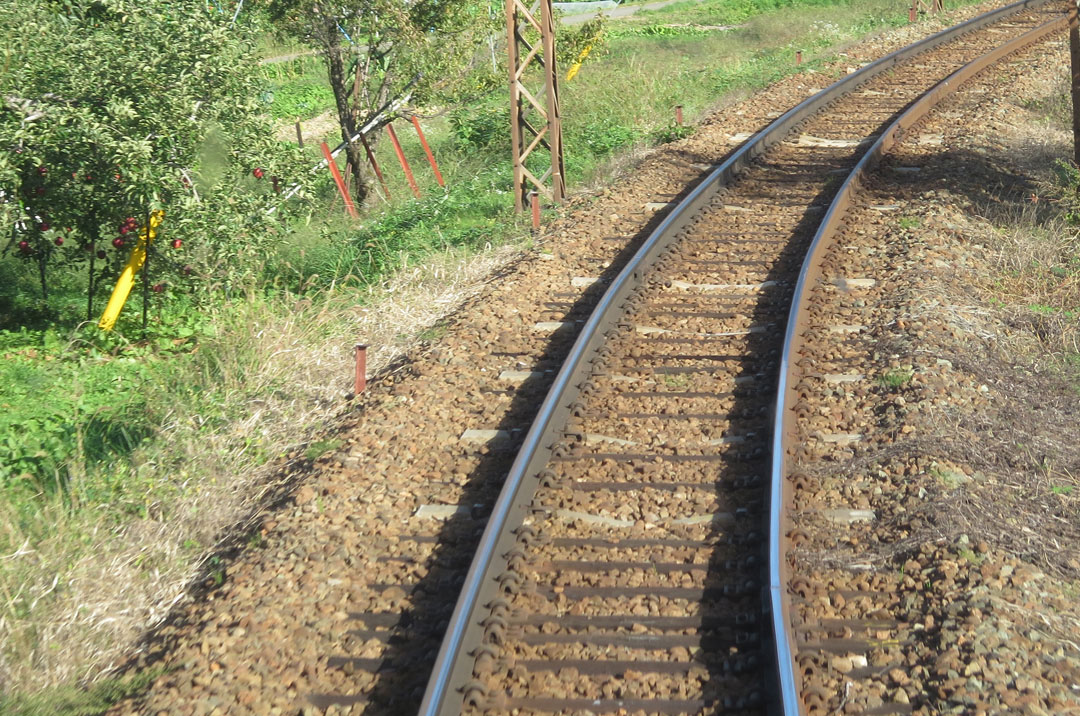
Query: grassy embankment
<point x="122" y="459"/>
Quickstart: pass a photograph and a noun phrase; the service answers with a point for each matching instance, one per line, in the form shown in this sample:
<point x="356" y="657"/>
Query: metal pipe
<point x="360" y="382"/>
<point x="427" y="151"/>
<point x="402" y="160"/>
<point x="534" y="202"/>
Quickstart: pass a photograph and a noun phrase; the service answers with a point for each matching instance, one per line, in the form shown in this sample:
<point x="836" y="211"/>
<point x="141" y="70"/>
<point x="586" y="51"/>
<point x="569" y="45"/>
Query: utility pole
<point x="541" y="106"/>
<point x="1074" y="56"/>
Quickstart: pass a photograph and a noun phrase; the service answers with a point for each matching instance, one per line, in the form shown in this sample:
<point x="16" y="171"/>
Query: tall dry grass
<point x="83" y="584"/>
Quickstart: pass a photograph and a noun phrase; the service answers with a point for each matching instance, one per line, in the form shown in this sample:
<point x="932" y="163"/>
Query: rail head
<point x="452" y="667"/>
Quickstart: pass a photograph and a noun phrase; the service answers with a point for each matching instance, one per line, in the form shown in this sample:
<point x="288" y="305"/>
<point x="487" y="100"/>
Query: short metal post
<point x="299" y="135"/>
<point x="798" y="57"/>
<point x="913" y="13"/>
<point x="678" y="115"/>
<point x="534" y="200"/>
<point x="361" y="369"/>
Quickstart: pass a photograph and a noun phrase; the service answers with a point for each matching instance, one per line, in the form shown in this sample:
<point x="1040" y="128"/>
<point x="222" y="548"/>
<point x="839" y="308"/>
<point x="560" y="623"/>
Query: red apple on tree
<point x="258" y="172"/>
<point x="59" y="241"/>
<point x="45" y="226"/>
<point x="118" y="242"/>
<point x="24" y="246"/>
<point x="177" y="243"/>
<point x="157" y="287"/>
<point x="42" y="171"/>
<point x="101" y="253"/>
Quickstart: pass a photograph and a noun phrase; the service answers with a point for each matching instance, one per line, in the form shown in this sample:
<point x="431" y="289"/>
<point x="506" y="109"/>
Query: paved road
<point x="621" y="11"/>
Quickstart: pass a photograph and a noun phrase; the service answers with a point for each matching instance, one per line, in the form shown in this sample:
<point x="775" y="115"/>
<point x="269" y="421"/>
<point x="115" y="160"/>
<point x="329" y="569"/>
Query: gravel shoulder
<point x="335" y="602"/>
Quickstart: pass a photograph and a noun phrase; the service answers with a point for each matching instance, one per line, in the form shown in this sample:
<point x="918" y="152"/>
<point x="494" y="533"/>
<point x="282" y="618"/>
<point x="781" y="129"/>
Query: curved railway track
<point x="636" y="559"/>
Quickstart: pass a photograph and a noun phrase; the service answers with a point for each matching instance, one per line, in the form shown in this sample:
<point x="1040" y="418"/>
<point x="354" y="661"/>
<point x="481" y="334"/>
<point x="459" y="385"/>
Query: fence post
<point x="339" y="181"/>
<point x="427" y="151"/>
<point x="404" y="162"/>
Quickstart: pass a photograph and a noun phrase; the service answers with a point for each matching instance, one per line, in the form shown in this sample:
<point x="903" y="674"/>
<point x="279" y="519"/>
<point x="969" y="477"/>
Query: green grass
<point x="321" y="447"/>
<point x="297" y="89"/>
<point x="74" y="701"/>
<point x="894" y="379"/>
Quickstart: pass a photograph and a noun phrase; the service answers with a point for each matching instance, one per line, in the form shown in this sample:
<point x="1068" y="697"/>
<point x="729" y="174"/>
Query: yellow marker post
<point x="581" y="57"/>
<point x="127" y="276"/>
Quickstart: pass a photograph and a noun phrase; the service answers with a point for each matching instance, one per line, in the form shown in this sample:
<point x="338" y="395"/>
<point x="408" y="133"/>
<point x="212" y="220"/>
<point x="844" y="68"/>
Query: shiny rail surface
<point x="559" y="437"/>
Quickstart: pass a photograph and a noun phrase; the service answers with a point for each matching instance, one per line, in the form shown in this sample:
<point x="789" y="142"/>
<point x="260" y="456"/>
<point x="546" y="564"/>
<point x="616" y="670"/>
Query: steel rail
<point x="811" y="272"/>
<point x="451" y="663"/>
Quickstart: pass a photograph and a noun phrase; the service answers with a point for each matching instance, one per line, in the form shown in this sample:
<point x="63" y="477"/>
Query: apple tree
<point x="375" y="49"/>
<point x="110" y="109"/>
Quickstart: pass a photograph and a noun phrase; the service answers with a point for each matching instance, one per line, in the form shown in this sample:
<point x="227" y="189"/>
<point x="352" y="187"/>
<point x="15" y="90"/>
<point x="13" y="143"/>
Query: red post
<point x="427" y="150"/>
<point x="798" y="57"/>
<point x="678" y="114"/>
<point x="403" y="160"/>
<point x="361" y="369"/>
<point x="375" y="165"/>
<point x="534" y="200"/>
<point x="913" y="13"/>
<point x="339" y="181"/>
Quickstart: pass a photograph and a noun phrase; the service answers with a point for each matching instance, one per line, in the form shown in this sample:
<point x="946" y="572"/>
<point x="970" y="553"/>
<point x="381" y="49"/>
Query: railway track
<point x="636" y="559"/>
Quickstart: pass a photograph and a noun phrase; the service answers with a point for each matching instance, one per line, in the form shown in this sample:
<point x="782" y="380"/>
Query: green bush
<point x="476" y="128"/>
<point x="603" y="138"/>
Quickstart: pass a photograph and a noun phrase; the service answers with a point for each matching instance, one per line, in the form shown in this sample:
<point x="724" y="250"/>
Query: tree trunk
<point x="342" y="90"/>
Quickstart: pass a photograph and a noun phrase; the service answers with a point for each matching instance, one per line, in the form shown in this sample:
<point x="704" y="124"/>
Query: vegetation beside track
<point x="121" y="465"/>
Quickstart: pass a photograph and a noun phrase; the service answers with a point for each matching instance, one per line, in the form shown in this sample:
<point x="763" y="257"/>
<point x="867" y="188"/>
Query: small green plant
<point x="951" y="479"/>
<point x="217" y="570"/>
<point x="969" y="556"/>
<point x="432" y="333"/>
<point x="320" y="447"/>
<point x="671" y="133"/>
<point x="894" y="379"/>
<point x="909" y="222"/>
<point x="676" y="380"/>
<point x="1062" y="489"/>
